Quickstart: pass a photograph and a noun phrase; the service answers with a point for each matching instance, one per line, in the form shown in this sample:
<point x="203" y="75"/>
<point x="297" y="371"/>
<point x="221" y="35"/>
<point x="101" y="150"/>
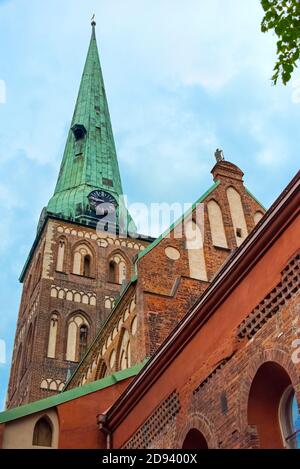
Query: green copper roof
<point x="66" y="396"/>
<point x="90" y="159"/>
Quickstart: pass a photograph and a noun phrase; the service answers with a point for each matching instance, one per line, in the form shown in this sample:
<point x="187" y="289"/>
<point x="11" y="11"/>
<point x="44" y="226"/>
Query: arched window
<point x="194" y="245"/>
<point x="194" y="440"/>
<point x="101" y="371"/>
<point x="216" y="224"/>
<point x="52" y="336"/>
<point x="270" y="407"/>
<point x="82" y="261"/>
<point x="60" y="255"/>
<point x="290" y="419"/>
<point x="42" y="433"/>
<point x="87" y="265"/>
<point x="113" y="272"/>
<point x="125" y="352"/>
<point x="237" y="215"/>
<point x="117" y="269"/>
<point x="77" y="340"/>
<point x="83" y="337"/>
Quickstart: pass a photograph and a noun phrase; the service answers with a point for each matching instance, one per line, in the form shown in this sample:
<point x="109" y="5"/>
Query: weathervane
<point x="93" y="20"/>
<point x="219" y="155"/>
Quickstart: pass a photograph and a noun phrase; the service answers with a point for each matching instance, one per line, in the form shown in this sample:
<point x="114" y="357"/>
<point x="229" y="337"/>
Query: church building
<point x="190" y="340"/>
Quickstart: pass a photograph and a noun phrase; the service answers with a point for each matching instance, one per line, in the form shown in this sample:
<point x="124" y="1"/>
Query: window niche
<point x="117" y="270"/>
<point x="42" y="433"/>
<point x="77" y="338"/>
<point x="79" y="132"/>
<point x="83" y="261"/>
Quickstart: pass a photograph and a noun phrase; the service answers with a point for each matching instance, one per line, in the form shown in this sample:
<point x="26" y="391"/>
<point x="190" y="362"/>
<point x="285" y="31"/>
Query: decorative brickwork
<point x="274" y="301"/>
<point x="157" y="424"/>
<point x="226" y="382"/>
<point x="199" y="422"/>
<point x="211" y="375"/>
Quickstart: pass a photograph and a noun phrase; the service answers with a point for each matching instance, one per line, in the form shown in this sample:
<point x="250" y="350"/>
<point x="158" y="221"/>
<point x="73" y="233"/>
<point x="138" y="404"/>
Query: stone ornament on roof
<point x="219" y="155"/>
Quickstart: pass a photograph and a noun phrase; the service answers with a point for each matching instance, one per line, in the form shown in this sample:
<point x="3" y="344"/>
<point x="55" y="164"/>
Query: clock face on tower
<point x="102" y="202"/>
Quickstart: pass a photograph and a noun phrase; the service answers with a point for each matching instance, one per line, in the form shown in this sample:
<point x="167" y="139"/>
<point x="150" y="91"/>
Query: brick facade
<point x="218" y="380"/>
<point x="165" y="288"/>
<point x="241" y="343"/>
<point x="64" y="293"/>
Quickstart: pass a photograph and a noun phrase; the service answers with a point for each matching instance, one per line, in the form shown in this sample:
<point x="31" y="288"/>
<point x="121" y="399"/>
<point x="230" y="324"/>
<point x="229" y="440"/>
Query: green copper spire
<point x="90" y="160"/>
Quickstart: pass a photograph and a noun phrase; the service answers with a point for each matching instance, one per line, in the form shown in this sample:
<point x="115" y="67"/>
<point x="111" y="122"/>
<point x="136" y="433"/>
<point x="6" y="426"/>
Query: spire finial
<point x="93" y="20"/>
<point x="219" y="155"/>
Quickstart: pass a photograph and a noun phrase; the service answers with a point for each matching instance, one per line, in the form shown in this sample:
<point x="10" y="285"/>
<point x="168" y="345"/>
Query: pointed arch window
<point x="216" y="224"/>
<point x="60" y="255"/>
<point x="125" y="352"/>
<point x="87" y="265"/>
<point x="42" y="433"/>
<point x="117" y="269"/>
<point x="77" y="338"/>
<point x="83" y="338"/>
<point x="51" y="353"/>
<point x="194" y="246"/>
<point x="83" y="261"/>
<point x="113" y="272"/>
<point x="102" y="370"/>
<point x="237" y="215"/>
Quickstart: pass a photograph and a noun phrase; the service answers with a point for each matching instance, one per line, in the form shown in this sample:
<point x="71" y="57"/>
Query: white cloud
<point x="182" y="78"/>
<point x="272" y="148"/>
<point x="204" y="43"/>
<point x="174" y="151"/>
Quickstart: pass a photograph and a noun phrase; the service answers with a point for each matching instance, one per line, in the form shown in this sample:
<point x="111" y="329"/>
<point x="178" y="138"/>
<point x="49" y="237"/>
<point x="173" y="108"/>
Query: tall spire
<point x="90" y="160"/>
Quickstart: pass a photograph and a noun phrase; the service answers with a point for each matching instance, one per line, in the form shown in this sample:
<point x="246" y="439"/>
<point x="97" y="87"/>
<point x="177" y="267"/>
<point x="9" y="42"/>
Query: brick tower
<point x="81" y="255"/>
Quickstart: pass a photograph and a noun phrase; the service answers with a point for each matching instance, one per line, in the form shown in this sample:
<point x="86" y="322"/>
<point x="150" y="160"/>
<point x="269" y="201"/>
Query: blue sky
<point x="182" y="78"/>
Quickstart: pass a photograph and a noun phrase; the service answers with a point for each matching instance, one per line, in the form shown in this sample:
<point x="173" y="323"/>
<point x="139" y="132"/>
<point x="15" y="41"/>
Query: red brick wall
<point x="216" y="364"/>
<point x="164" y="289"/>
<point x="164" y="292"/>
